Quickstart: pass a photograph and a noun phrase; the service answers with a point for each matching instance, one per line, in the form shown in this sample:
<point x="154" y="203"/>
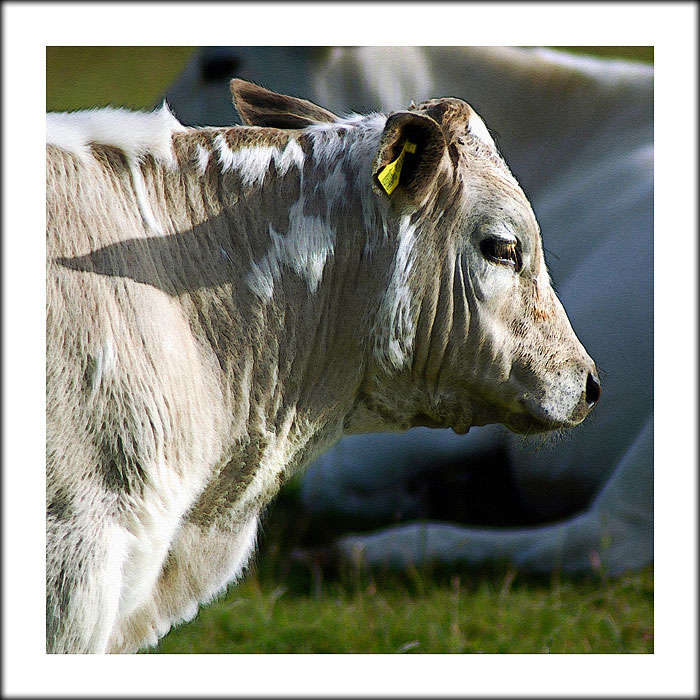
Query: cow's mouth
<point x="528" y="424"/>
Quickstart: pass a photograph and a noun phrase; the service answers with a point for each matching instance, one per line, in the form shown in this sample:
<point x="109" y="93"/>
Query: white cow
<point x="578" y="132"/>
<point x="223" y="304"/>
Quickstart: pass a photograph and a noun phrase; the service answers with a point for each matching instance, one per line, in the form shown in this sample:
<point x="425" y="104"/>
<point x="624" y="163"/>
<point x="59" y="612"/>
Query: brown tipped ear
<point x="408" y="159"/>
<point x="260" y="107"/>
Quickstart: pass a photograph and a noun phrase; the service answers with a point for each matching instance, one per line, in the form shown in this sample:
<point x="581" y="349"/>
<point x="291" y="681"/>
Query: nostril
<point x="592" y="390"/>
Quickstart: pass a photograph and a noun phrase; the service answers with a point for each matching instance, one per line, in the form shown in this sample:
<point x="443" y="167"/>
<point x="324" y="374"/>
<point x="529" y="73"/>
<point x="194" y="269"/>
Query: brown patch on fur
<point x="249" y="137"/>
<point x="538" y="308"/>
<point x="450" y="113"/>
<point x="228" y="485"/>
<point x="110" y="158"/>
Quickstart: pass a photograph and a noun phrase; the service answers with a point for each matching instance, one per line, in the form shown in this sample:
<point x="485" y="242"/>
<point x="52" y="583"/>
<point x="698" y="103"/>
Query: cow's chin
<point x="425" y="421"/>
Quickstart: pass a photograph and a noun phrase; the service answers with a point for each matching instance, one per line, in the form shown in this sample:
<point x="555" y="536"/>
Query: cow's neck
<point x="281" y="270"/>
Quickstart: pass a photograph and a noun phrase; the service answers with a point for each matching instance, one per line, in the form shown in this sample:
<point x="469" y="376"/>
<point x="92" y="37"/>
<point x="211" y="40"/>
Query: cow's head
<point x="469" y="331"/>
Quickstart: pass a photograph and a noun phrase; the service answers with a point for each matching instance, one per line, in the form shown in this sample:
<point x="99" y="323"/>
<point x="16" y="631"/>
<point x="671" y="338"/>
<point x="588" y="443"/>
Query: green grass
<point x="422" y="613"/>
<point x="315" y="604"/>
<point x="78" y="77"/>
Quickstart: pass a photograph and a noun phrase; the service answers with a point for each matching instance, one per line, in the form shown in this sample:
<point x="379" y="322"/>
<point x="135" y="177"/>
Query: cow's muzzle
<point x="546" y="414"/>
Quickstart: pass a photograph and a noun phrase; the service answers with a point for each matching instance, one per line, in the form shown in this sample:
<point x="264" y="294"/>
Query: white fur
<point x="236" y="548"/>
<point x="394" y="331"/>
<point x="142" y="198"/>
<point x="253" y="162"/>
<point x="152" y="527"/>
<point x="202" y="158"/>
<point x="102" y="615"/>
<point x="134" y="133"/>
<point x="477" y="128"/>
<point x="305" y="248"/>
<point x="104" y="364"/>
<point x="292" y="155"/>
<point x="328" y="144"/>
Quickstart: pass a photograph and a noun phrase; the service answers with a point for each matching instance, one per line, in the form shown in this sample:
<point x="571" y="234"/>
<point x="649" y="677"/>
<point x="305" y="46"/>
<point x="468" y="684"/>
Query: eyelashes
<point x="502" y="252"/>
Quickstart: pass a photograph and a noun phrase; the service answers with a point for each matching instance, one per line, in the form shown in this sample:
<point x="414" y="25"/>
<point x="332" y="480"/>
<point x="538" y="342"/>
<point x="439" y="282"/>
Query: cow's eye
<point x="502" y="252"/>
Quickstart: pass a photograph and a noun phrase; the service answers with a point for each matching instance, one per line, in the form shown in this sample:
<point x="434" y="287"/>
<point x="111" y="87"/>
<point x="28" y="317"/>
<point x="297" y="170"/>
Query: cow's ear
<point x="260" y="107"/>
<point x="409" y="158"/>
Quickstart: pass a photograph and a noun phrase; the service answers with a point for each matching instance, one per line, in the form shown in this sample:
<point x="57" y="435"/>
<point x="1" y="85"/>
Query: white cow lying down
<point x="224" y="304"/>
<point x="578" y="133"/>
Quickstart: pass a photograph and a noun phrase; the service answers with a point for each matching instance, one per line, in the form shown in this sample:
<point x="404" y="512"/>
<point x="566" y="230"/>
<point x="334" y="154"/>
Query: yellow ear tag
<point x="389" y="175"/>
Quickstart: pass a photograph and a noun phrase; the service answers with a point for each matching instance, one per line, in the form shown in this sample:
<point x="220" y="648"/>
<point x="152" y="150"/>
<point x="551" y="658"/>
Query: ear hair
<point x="261" y="107"/>
<point x="417" y="167"/>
